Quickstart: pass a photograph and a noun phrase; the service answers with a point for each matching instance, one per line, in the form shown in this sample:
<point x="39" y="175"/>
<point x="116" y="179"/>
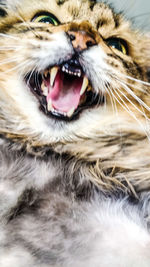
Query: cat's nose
<point x="81" y="40"/>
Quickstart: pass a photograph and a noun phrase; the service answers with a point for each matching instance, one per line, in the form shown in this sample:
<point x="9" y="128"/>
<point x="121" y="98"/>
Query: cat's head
<point x="70" y="70"/>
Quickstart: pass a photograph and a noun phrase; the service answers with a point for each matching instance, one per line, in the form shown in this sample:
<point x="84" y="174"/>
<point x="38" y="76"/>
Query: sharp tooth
<point x="50" y="106"/>
<point x="70" y="112"/>
<point x="53" y="74"/>
<point x="84" y="85"/>
<point x="44" y="89"/>
<point x="63" y="68"/>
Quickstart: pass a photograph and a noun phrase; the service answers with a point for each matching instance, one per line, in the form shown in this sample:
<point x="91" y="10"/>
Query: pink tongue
<point x="65" y="94"/>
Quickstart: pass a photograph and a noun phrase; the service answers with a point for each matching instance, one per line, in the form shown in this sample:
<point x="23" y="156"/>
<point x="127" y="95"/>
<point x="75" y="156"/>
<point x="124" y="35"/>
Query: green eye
<point x="46" y="18"/>
<point x="118" y="44"/>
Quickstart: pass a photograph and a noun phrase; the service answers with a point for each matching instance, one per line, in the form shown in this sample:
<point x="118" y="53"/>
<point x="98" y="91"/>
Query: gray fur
<point x="50" y="223"/>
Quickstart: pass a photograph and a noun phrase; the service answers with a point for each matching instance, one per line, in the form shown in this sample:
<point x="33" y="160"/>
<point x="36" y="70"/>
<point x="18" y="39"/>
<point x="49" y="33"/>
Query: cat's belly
<point x="57" y="231"/>
<point x="55" y="218"/>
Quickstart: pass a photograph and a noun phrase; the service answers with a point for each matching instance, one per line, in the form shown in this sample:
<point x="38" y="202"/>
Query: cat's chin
<point x="63" y="91"/>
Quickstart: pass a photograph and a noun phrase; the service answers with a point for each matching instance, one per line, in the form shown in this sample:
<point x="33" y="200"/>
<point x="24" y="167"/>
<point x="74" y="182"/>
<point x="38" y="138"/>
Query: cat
<point x="74" y="136"/>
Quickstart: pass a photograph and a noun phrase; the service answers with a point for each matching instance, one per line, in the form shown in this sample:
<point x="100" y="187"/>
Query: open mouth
<point x="63" y="91"/>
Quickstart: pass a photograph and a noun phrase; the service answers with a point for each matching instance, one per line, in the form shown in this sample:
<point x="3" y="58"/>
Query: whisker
<point x="133" y="104"/>
<point x="28" y="25"/>
<point x="130" y="84"/>
<point x="8" y="48"/>
<point x="9" y="36"/>
<point x="28" y="81"/>
<point x="21" y="71"/>
<point x="126" y="108"/>
<point x="37" y="80"/>
<point x="115" y="104"/>
<point x="111" y="98"/>
<point x="128" y="90"/>
<point x="134" y="79"/>
<point x="26" y="63"/>
<point x="10" y="60"/>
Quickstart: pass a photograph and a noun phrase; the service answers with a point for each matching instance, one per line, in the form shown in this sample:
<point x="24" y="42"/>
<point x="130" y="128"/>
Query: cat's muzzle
<point x="63" y="91"/>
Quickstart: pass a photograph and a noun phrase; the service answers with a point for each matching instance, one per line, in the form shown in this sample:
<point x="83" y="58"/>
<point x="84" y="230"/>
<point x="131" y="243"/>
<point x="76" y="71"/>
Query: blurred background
<point x="137" y="10"/>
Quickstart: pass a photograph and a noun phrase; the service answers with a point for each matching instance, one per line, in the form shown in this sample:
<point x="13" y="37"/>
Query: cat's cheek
<point x="47" y="53"/>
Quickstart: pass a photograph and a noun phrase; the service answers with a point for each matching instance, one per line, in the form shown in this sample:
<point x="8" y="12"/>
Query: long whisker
<point x="123" y="106"/>
<point x="134" y="79"/>
<point x="21" y="71"/>
<point x="9" y="36"/>
<point x="131" y="85"/>
<point x="126" y="107"/>
<point x="28" y="25"/>
<point x="128" y="90"/>
<point x="116" y="110"/>
<point x="113" y="103"/>
<point x="26" y="63"/>
<point x="9" y="48"/>
<point x="9" y="60"/>
<point x="142" y="104"/>
<point x="37" y="80"/>
<point x="28" y="81"/>
<point x="141" y="112"/>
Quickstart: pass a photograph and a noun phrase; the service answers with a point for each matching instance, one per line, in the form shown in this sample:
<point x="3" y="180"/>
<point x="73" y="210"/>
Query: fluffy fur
<point x="73" y="193"/>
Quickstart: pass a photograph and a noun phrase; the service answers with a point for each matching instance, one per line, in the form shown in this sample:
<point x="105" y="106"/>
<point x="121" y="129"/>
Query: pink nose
<point x="81" y="40"/>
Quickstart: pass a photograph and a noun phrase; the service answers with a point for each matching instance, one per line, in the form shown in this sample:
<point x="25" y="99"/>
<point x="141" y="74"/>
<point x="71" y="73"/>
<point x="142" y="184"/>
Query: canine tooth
<point x="50" y="106"/>
<point x="44" y="89"/>
<point x="54" y="71"/>
<point x="84" y="85"/>
<point x="70" y="112"/>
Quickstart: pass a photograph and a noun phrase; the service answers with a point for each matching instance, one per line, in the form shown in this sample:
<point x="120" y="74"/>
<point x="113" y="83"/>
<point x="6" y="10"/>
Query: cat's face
<point x="69" y="70"/>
